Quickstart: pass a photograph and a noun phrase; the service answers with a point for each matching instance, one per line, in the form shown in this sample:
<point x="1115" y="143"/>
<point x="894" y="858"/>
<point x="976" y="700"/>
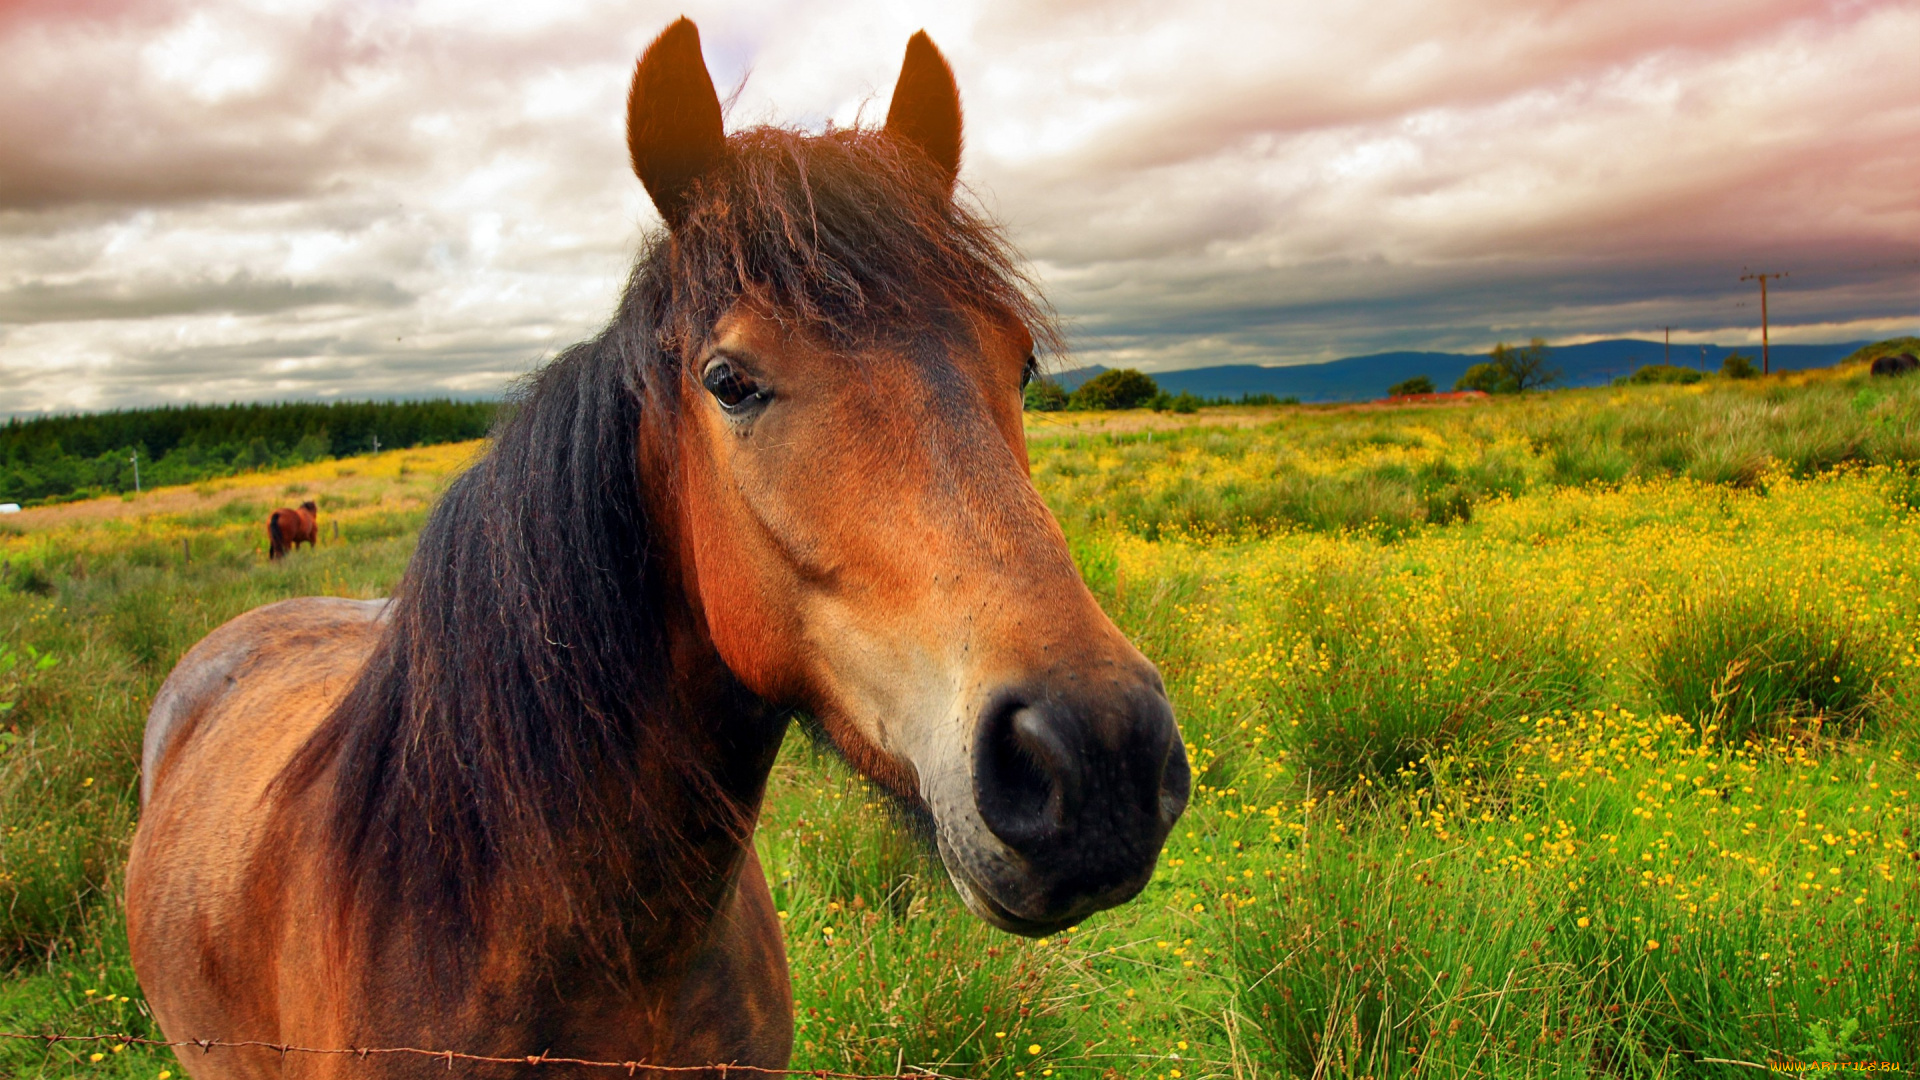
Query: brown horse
<point x="288" y="529"/>
<point x="511" y="811"/>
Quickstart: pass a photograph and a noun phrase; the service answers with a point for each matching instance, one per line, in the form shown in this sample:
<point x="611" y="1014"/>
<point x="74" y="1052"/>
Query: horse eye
<point x="1027" y="373"/>
<point x="730" y="386"/>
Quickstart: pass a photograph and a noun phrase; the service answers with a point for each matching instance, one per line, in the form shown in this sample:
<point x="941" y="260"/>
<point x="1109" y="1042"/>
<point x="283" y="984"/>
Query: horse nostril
<point x="1025" y="778"/>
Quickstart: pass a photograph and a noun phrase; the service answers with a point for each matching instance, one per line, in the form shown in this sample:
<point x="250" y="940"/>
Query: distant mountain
<point x="1363" y="378"/>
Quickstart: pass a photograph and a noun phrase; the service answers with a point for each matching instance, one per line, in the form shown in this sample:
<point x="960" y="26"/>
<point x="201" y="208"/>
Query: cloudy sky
<point x="245" y="199"/>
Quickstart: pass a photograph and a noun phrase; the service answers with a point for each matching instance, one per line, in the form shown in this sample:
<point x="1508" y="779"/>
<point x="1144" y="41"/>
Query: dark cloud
<point x="241" y="294"/>
<point x="233" y="200"/>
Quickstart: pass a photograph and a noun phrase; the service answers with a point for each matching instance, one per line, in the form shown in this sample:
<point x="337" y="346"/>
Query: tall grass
<point x="1756" y="666"/>
<point x="1378" y="684"/>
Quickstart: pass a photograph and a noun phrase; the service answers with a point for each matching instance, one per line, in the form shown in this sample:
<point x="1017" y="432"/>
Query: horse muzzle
<point x="1062" y="803"/>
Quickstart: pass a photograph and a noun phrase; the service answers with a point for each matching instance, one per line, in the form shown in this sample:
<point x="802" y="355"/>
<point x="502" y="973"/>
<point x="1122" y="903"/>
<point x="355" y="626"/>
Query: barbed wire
<point x="451" y="1056"/>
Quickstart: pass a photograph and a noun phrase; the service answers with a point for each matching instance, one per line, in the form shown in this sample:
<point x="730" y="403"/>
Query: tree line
<point x="56" y="458"/>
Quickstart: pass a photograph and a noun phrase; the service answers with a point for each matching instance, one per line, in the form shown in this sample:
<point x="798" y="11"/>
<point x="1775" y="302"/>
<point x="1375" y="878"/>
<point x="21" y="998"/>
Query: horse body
<point x="230" y="935"/>
<point x="510" y="811"/>
<point x="288" y="529"/>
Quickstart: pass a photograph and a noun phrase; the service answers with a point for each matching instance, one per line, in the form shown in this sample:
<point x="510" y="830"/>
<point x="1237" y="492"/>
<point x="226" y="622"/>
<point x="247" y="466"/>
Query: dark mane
<point x="523" y="681"/>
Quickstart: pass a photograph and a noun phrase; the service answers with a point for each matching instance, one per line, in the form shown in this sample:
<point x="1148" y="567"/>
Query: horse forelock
<point x="851" y="235"/>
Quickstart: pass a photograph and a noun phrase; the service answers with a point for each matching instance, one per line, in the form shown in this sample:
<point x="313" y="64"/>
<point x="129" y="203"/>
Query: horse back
<point x="279" y="645"/>
<point x="216" y="867"/>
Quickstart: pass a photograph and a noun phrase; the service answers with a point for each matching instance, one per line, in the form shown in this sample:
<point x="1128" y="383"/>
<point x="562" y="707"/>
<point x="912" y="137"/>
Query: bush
<point x="1122" y="388"/>
<point x="1738" y="366"/>
<point x="1419" y="384"/>
<point x="1045" y="395"/>
<point x="1659" y="374"/>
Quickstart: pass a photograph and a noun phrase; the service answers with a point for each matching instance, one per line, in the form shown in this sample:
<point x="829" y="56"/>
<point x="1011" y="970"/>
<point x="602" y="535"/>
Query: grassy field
<point x="1561" y="736"/>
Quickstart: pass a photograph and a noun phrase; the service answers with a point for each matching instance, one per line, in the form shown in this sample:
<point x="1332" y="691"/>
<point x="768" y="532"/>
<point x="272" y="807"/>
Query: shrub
<point x="1045" y="395"/>
<point x="1419" y="384"/>
<point x="1738" y="366"/>
<point x="1122" y="388"/>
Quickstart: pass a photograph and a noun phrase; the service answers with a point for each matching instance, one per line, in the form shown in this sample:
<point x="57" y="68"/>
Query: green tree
<point x="313" y="446"/>
<point x="1524" y="366"/>
<point x="1045" y="395"/>
<point x="1121" y="388"/>
<point x="1511" y="369"/>
<point x="1486" y="378"/>
<point x="1419" y="384"/>
<point x="1738" y="366"/>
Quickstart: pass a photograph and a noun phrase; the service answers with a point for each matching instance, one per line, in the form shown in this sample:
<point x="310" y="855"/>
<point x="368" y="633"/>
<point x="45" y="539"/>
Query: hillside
<point x="1362" y="378"/>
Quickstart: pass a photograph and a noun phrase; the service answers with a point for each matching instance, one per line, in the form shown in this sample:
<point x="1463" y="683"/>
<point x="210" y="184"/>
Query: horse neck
<point x="546" y="748"/>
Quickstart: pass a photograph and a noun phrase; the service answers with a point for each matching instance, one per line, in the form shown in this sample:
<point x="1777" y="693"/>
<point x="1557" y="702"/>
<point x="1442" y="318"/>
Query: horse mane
<point x="523" y="672"/>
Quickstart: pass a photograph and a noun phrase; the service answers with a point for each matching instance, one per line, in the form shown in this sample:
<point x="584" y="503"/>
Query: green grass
<point x="1389" y="471"/>
<point x="1518" y="746"/>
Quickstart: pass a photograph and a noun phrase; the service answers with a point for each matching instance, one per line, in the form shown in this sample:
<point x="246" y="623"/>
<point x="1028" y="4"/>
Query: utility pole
<point x="376" y="444"/>
<point x="1669" y="360"/>
<point x="1766" y="359"/>
<point x="1703" y="358"/>
<point x="135" y="458"/>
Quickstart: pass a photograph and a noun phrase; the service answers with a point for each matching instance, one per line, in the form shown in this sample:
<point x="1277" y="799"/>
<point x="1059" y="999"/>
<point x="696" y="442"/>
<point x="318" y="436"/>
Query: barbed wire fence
<point x="631" y="1068"/>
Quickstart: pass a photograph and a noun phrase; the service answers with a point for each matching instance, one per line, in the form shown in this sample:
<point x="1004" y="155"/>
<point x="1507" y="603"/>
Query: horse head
<point x="857" y="532"/>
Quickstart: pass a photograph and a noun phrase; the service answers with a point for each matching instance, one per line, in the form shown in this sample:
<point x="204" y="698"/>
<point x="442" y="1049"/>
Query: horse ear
<point x="926" y="106"/>
<point x="674" y="131"/>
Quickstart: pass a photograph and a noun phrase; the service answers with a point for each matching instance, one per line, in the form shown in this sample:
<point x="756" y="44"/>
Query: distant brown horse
<point x="510" y="811"/>
<point x="288" y="529"/>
